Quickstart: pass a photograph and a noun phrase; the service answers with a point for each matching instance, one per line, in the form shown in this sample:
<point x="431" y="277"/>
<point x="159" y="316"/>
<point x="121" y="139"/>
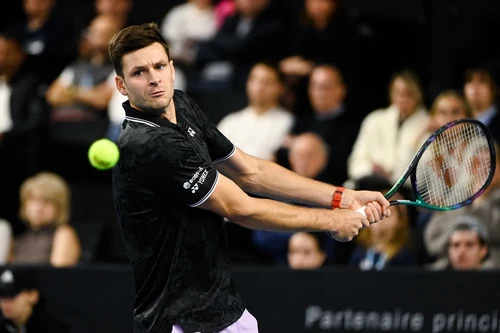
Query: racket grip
<point x="361" y="211"/>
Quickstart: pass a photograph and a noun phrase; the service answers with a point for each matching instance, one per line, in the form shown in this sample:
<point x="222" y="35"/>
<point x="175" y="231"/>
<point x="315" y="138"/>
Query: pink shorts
<point x="246" y="324"/>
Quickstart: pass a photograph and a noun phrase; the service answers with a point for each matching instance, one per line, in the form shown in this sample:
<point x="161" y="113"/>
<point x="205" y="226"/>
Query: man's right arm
<point x="230" y="201"/>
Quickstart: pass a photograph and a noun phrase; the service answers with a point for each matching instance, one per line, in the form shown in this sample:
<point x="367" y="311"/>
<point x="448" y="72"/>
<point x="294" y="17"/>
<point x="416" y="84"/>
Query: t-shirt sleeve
<point x="177" y="169"/>
<point x="220" y="147"/>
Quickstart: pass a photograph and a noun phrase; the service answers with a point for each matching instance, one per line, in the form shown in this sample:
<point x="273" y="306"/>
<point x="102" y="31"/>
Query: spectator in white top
<point x="187" y="24"/>
<point x="260" y="128"/>
<point x="385" y="142"/>
<point x="5" y="237"/>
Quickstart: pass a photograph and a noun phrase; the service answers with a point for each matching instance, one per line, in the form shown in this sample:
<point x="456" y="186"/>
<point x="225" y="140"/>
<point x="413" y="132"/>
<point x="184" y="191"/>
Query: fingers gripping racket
<point x="452" y="168"/>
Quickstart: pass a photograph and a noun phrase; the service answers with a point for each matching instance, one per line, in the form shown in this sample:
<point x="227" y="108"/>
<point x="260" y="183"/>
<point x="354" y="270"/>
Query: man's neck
<point x="170" y="113"/>
<point x="329" y="112"/>
<point x="262" y="108"/>
<point x="38" y="22"/>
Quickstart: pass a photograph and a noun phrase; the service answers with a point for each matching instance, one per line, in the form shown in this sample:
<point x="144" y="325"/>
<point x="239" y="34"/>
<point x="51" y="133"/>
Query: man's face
<point x="320" y="10"/>
<point x="263" y="87"/>
<point x="10" y="55"/>
<point x="251" y="7"/>
<point x="307" y="157"/>
<point x="465" y="250"/>
<point x="100" y="32"/>
<point x="37" y="8"/>
<point x="326" y="90"/>
<point x="15" y="308"/>
<point x="148" y="78"/>
<point x="403" y="98"/>
<point x="478" y="94"/>
<point x="303" y="252"/>
<point x="40" y="211"/>
<point x="116" y="8"/>
<point x="449" y="109"/>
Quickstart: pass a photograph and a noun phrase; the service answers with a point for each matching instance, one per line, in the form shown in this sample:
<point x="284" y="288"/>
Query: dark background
<point x="100" y="299"/>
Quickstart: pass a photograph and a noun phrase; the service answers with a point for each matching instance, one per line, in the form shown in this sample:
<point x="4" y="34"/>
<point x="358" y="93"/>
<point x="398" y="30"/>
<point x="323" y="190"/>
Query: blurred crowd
<point x="280" y="88"/>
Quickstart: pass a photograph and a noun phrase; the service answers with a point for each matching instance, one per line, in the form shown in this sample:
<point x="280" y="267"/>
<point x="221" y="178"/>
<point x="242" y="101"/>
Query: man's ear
<point x="173" y="70"/>
<point x="120" y="85"/>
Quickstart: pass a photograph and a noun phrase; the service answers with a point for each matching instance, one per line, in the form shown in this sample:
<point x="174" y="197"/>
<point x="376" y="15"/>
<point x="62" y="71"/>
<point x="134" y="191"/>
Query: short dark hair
<point x="133" y="38"/>
<point x="470" y="223"/>
<point x="484" y="75"/>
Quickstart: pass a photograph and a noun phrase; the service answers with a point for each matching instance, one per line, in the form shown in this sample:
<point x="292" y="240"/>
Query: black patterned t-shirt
<point x="178" y="252"/>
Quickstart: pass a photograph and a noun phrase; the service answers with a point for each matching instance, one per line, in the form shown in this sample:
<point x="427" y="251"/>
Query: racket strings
<point x="454" y="166"/>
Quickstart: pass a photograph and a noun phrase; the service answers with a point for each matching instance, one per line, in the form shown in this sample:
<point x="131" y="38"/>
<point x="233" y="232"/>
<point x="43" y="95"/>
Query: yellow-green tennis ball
<point x="103" y="154"/>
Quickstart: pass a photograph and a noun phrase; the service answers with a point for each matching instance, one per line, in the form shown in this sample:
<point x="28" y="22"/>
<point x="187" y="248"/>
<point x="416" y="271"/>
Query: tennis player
<point x="178" y="176"/>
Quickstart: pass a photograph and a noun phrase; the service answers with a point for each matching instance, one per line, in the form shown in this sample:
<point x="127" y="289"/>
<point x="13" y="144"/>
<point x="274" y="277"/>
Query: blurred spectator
<point x="486" y="208"/>
<point x="45" y="37"/>
<point x="306" y="250"/>
<point x="385" y="143"/>
<point x="119" y="10"/>
<point x="223" y="9"/>
<point x="467" y="245"/>
<point x="448" y="106"/>
<point x="260" y="128"/>
<point x="5" y="239"/>
<point x="252" y="34"/>
<point x="185" y="25"/>
<point x="480" y="91"/>
<point x="309" y="156"/>
<point x="330" y="118"/>
<point x="23" y="117"/>
<point x="322" y="34"/>
<point x="48" y="239"/>
<point x="23" y="307"/>
<point x="79" y="98"/>
<point x="386" y="243"/>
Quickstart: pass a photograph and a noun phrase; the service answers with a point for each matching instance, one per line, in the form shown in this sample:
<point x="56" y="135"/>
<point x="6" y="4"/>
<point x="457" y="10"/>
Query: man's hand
<point x="346" y="224"/>
<point x="377" y="206"/>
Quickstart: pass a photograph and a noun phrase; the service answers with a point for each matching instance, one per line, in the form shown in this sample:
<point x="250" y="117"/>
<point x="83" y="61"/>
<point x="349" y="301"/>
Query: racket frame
<point x="412" y="168"/>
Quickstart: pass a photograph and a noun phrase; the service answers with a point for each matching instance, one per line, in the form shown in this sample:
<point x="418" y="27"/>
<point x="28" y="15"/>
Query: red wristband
<point x="337" y="197"/>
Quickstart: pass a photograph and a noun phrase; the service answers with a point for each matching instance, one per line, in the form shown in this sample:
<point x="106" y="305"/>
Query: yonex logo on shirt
<point x="187" y="185"/>
<point x="191" y="131"/>
<point x="203" y="177"/>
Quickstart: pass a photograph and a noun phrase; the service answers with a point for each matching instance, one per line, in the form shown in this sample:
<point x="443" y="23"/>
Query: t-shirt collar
<point x="148" y="118"/>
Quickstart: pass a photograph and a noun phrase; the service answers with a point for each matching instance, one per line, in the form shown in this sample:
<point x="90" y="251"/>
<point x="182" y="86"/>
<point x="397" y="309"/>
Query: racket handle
<point x="361" y="211"/>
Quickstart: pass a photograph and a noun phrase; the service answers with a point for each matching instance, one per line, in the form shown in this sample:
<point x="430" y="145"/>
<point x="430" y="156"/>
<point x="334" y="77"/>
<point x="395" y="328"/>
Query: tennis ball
<point x="103" y="154"/>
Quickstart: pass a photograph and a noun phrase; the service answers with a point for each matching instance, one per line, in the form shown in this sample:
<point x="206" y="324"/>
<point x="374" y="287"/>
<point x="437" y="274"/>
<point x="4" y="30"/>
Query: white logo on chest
<point x="191" y="131"/>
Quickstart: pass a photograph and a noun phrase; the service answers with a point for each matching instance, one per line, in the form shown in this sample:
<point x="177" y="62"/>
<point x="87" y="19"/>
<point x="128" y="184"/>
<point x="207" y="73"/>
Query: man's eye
<point x="138" y="73"/>
<point x="160" y="66"/>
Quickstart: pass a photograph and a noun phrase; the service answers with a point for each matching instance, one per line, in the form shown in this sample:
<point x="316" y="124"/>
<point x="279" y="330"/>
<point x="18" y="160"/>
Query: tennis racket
<point x="451" y="169"/>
